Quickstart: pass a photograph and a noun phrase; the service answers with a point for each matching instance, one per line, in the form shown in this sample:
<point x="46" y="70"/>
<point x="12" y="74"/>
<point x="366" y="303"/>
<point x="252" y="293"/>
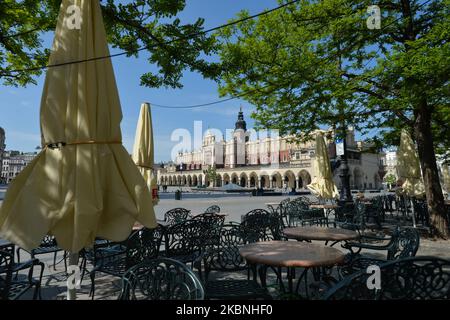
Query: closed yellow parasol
<point x="143" y="153"/>
<point x="408" y="167"/>
<point x="83" y="184"/>
<point x="322" y="184"/>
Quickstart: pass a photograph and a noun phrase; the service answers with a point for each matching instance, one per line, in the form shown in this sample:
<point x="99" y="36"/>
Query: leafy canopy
<point x="130" y="25"/>
<point x="317" y="63"/>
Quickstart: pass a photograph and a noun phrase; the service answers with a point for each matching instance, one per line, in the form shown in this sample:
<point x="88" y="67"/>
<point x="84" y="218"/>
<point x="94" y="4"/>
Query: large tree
<point x="317" y="63"/>
<point x="130" y="25"/>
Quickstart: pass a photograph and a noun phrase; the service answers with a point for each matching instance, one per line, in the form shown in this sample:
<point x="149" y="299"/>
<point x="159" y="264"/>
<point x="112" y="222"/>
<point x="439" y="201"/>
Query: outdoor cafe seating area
<point x="294" y="249"/>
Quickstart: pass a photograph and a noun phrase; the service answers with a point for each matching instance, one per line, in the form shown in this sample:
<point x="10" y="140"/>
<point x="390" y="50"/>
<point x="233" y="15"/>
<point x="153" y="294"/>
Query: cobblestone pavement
<point x="107" y="287"/>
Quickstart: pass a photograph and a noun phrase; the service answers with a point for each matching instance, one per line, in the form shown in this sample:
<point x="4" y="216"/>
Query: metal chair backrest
<point x="212" y="223"/>
<point x="261" y="225"/>
<point x="184" y="238"/>
<point x="176" y="215"/>
<point x="404" y="243"/>
<point x="161" y="279"/>
<point x="213" y="209"/>
<point x="142" y="245"/>
<point x="224" y="256"/>
<point x="414" y="278"/>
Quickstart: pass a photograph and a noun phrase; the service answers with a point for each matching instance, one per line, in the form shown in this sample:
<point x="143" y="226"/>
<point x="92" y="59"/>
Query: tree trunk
<point x="433" y="190"/>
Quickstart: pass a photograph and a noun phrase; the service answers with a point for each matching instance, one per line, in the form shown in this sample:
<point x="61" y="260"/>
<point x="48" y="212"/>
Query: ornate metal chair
<point x="212" y="223"/>
<point x="351" y="216"/>
<point x="261" y="225"/>
<point x="283" y="212"/>
<point x="403" y="243"/>
<point x="141" y="245"/>
<point x="161" y="279"/>
<point x="213" y="209"/>
<point x="224" y="257"/>
<point x="421" y="278"/>
<point x="302" y="217"/>
<point x="12" y="288"/>
<point x="185" y="241"/>
<point x="280" y="211"/>
<point x="176" y="215"/>
<point x="48" y="245"/>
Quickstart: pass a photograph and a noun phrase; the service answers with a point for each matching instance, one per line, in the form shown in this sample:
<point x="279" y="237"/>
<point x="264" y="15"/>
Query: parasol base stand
<point x="73" y="277"/>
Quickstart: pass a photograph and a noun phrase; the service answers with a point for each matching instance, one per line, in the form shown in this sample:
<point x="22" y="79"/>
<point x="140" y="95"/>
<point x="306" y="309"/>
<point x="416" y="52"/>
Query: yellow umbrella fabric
<point x="446" y="176"/>
<point x="322" y="184"/>
<point x="408" y="167"/>
<point x="88" y="185"/>
<point x="143" y="153"/>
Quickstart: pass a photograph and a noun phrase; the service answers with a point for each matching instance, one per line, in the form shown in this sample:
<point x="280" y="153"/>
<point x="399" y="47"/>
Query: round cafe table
<point x="322" y="234"/>
<point x="291" y="255"/>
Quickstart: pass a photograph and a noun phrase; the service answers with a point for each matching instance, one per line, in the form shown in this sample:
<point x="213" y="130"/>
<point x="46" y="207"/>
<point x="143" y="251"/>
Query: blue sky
<point x="19" y="107"/>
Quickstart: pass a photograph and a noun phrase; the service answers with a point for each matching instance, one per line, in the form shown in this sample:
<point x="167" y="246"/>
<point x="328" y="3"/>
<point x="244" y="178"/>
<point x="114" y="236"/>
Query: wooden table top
<point x="318" y="233"/>
<point x="291" y="254"/>
<point x="324" y="206"/>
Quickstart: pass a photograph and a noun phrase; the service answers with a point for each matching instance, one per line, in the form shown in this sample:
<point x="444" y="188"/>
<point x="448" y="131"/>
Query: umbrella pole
<point x="73" y="261"/>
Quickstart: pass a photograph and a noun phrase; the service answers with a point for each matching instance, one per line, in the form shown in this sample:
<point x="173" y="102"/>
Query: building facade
<point x="270" y="162"/>
<point x="2" y="144"/>
<point x="13" y="163"/>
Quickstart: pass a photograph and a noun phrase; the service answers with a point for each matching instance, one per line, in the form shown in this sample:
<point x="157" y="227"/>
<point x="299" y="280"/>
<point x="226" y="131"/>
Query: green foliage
<point x="211" y="174"/>
<point x="136" y="24"/>
<point x="316" y="63"/>
<point x="390" y="179"/>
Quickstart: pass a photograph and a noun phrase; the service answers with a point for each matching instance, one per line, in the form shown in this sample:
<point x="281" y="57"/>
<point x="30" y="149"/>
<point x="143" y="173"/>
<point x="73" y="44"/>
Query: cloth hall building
<point x="270" y="162"/>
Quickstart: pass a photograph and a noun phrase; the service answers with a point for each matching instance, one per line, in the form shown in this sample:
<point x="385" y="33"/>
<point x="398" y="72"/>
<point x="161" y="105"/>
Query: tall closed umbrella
<point x="83" y="184"/>
<point x="143" y="153"/>
<point x="322" y="184"/>
<point x="446" y="177"/>
<point x="408" y="169"/>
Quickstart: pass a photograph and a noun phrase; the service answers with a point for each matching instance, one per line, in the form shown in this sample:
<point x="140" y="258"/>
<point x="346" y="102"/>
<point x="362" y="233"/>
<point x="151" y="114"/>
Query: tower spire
<point x="240" y="123"/>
